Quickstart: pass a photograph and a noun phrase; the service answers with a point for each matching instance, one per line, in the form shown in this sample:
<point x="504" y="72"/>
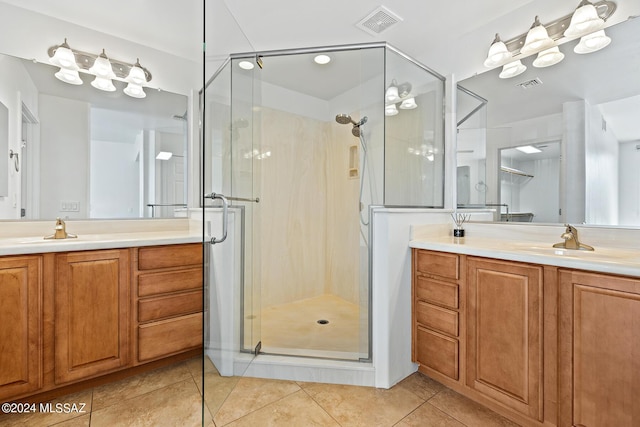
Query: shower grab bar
<point x="225" y="215"/>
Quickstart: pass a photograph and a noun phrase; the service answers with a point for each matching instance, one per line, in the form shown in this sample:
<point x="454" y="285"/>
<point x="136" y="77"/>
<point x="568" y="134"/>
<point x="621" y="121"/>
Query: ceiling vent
<point x="528" y="84"/>
<point x="378" y="21"/>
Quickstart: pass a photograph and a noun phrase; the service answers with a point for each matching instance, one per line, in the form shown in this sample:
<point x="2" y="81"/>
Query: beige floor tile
<point x="420" y="384"/>
<point x="428" y="415"/>
<point x="179" y="404"/>
<point x="364" y="406"/>
<point x="75" y="403"/>
<point x="251" y="394"/>
<point x="297" y="409"/>
<point x="110" y="394"/>
<point x="217" y="389"/>
<point x="467" y="411"/>
<point x="82" y="421"/>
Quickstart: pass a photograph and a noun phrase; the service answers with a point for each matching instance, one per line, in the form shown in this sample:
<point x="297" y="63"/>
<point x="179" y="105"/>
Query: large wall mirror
<point x="556" y="144"/>
<point x="87" y="153"/>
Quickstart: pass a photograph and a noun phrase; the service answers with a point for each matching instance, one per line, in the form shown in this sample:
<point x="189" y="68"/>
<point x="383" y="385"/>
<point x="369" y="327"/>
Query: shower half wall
<point x="299" y="283"/>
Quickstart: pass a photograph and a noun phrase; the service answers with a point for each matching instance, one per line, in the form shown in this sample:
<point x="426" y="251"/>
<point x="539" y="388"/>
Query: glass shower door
<point x="231" y="330"/>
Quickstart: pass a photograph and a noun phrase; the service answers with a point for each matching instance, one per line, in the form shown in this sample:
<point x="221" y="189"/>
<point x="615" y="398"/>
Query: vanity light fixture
<point x="587" y="22"/>
<point x="390" y="110"/>
<point x="512" y="69"/>
<point x="408" y="104"/>
<point x="392" y="94"/>
<point x="498" y="53"/>
<point x="548" y="57"/>
<point x="592" y="42"/>
<point x="104" y="69"/>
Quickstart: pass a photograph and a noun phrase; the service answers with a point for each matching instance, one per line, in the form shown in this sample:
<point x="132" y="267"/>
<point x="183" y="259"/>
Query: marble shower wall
<point x="308" y="224"/>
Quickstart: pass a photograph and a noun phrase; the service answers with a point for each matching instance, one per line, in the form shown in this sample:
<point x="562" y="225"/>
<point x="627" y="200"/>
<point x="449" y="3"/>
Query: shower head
<point x="356" y="131"/>
<point x="344" y="119"/>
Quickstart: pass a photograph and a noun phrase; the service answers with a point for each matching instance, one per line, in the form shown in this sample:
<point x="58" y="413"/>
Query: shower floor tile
<point x="294" y="328"/>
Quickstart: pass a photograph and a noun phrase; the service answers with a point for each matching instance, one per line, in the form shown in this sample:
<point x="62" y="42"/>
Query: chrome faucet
<point x="571" y="241"/>
<point x="61" y="231"/>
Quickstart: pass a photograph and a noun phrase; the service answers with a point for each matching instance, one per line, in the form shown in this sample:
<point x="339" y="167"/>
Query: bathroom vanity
<point x="543" y="336"/>
<point x="95" y="308"/>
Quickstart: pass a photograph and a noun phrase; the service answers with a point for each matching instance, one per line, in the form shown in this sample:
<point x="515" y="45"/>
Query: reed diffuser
<point x="459" y="220"/>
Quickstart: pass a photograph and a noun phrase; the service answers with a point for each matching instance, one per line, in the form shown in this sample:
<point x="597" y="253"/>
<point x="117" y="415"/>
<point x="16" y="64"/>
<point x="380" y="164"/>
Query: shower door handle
<point x="225" y="215"/>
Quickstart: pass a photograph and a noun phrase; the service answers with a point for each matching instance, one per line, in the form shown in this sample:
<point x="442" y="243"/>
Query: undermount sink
<point x="604" y="254"/>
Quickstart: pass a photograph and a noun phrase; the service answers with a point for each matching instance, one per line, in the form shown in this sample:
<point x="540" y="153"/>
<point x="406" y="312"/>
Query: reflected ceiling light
<point x="390" y="110"/>
<point x="322" y="59"/>
<point x="498" y="53"/>
<point x="72" y="61"/>
<point x="537" y="39"/>
<point x="512" y="69"/>
<point x="245" y="65"/>
<point x="529" y="149"/>
<point x="164" y="155"/>
<point x="592" y="42"/>
<point x="584" y="20"/>
<point x="392" y="94"/>
<point x="69" y="76"/>
<point x="408" y="104"/>
<point x="548" y="57"/>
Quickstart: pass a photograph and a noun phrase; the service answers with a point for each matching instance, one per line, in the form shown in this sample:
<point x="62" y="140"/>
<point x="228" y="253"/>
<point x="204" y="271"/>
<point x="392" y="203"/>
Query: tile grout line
<point x="321" y="407"/>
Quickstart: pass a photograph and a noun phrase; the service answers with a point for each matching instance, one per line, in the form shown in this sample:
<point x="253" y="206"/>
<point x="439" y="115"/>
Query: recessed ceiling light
<point x="322" y="59"/>
<point x="529" y="149"/>
<point x="246" y="65"/>
<point x="164" y="155"/>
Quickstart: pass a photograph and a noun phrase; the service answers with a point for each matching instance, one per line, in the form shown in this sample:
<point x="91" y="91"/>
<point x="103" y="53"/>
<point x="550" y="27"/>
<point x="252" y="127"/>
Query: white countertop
<point x="623" y="260"/>
<point x="104" y="235"/>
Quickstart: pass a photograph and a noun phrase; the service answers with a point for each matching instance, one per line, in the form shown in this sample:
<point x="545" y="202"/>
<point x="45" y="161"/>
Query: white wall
<point x="64" y="156"/>
<point x="629" y="189"/>
<point x="16" y="88"/>
<point x="114" y="170"/>
<point x="601" y="162"/>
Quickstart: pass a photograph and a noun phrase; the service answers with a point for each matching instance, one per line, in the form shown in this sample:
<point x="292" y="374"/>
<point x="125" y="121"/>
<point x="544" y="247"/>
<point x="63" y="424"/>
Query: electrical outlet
<point x="70" y="206"/>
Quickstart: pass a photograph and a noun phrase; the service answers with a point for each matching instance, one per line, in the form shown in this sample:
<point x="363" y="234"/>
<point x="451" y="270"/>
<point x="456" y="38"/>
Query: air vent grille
<point x="530" y="83"/>
<point x="378" y="21"/>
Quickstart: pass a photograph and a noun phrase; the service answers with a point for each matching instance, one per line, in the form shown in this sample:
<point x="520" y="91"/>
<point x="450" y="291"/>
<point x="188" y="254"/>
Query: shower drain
<point x="323" y="321"/>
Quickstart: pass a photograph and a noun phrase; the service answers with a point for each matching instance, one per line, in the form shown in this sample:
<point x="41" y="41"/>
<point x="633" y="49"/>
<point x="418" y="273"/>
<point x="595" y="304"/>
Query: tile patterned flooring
<point x="171" y="396"/>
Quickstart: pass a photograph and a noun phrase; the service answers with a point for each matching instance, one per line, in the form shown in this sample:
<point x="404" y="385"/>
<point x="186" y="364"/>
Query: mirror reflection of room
<point x="583" y="110"/>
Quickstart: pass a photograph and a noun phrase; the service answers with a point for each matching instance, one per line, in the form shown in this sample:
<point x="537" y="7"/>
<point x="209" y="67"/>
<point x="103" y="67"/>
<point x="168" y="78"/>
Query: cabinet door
<point x="91" y="314"/>
<point x="600" y="333"/>
<point x="20" y="325"/>
<point x="504" y="350"/>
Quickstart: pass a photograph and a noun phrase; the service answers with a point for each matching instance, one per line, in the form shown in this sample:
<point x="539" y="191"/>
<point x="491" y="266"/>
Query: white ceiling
<point x="450" y="36"/>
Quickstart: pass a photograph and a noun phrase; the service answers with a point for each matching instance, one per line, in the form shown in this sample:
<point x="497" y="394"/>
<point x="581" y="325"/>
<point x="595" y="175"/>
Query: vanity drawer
<point x="170" y="281"/>
<point x="154" y="257"/>
<point x="437" y="292"/>
<point x="437" y="352"/>
<point x="171" y="336"/>
<point x="437" y="318"/>
<point x="169" y="306"/>
<point x="438" y="264"/>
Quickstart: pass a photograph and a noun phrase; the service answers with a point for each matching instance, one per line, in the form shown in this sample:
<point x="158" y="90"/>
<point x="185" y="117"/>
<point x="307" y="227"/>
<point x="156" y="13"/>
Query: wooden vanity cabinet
<point x="504" y="333"/>
<point x="168" y="301"/>
<point x="20" y="325"/>
<point x="599" y="350"/>
<point x="91" y="313"/>
<point x="436" y="313"/>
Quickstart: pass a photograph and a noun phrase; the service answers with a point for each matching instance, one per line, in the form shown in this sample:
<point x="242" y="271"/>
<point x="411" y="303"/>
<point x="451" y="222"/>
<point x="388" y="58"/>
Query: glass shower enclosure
<point x="294" y="153"/>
